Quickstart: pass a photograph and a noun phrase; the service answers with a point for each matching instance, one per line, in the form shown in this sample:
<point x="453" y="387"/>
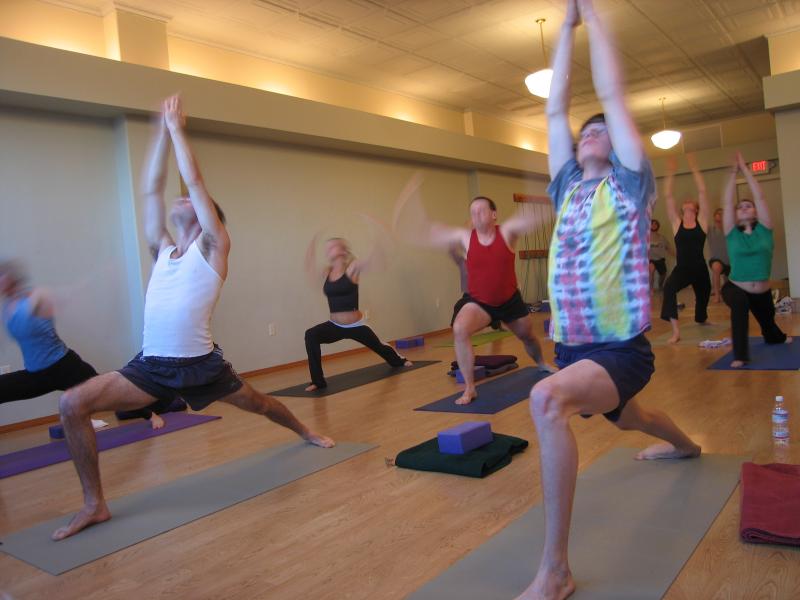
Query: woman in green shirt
<point x="748" y="231"/>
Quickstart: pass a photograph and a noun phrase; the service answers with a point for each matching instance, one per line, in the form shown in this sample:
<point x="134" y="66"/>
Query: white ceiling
<point x="707" y="57"/>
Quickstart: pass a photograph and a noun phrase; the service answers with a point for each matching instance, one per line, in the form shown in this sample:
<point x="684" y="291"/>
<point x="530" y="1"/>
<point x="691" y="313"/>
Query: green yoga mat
<point x="149" y="513"/>
<point x="480" y="339"/>
<point x="634" y="525"/>
<point x="693" y="333"/>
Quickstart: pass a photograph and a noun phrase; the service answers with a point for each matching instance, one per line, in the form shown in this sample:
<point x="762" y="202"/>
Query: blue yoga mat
<point x="764" y="357"/>
<point x="494" y="395"/>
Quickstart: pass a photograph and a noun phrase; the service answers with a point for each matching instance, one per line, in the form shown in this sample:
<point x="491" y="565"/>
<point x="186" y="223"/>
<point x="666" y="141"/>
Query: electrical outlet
<point x="271" y="328"/>
<point x="5" y="369"/>
<point x="365" y="314"/>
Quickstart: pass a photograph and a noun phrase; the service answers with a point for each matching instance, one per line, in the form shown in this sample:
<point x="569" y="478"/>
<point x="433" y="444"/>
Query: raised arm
<point x="410" y="222"/>
<point x="376" y="258"/>
<point x="559" y="136"/>
<point x="154" y="181"/>
<point x="704" y="215"/>
<point x="214" y="232"/>
<point x="728" y="194"/>
<point x="762" y="210"/>
<point x="314" y="273"/>
<point x="520" y="224"/>
<point x="671" y="165"/>
<point x="607" y="77"/>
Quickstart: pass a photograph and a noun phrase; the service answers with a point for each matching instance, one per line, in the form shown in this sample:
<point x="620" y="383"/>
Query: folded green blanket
<point x="480" y="462"/>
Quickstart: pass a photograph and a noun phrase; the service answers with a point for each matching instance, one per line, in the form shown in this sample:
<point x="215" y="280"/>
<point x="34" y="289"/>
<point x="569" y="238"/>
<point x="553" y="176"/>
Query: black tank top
<point x="689" y="245"/>
<point x="342" y="294"/>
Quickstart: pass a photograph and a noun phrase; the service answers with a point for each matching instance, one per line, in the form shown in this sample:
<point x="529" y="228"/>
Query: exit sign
<point x="760" y="166"/>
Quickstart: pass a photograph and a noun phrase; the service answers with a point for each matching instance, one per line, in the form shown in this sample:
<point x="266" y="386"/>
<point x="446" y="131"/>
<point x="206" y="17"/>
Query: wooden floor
<point x="364" y="530"/>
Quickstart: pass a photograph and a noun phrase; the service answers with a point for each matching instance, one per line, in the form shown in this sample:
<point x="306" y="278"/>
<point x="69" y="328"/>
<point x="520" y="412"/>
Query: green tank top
<point x="750" y="254"/>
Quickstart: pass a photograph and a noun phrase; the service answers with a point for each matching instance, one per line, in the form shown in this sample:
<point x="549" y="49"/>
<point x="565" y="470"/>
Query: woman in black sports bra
<point x="341" y="277"/>
<point x="690" y="228"/>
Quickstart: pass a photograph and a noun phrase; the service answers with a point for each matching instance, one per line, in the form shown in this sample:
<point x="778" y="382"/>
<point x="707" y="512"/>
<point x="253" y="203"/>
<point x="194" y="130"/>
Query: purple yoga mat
<point x="56" y="452"/>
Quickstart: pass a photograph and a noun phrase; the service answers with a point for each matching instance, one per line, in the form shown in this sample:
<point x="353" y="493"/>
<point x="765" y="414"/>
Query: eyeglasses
<point x="595" y="132"/>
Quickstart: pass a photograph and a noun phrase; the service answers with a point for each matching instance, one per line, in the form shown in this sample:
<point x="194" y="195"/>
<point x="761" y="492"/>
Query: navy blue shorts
<point x="630" y="364"/>
<point x="200" y="380"/>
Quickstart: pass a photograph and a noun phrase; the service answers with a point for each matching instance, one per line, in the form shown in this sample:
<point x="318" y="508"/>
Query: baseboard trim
<point x="29" y="423"/>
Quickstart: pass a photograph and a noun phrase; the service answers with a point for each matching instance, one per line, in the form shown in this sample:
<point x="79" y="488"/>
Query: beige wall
<point x="52" y="25"/>
<point x="61" y="216"/>
<point x="789" y="150"/>
<point x="784" y="52"/>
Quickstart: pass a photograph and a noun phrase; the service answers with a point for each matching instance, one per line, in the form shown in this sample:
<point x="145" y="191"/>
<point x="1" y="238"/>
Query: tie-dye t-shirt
<point x="598" y="266"/>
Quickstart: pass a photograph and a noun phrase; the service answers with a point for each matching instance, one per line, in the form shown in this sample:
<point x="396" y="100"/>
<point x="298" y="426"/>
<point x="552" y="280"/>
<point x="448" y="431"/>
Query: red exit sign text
<point x="760" y="166"/>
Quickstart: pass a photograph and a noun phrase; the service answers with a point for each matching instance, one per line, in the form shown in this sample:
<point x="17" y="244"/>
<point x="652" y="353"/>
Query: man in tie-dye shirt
<point x="602" y="188"/>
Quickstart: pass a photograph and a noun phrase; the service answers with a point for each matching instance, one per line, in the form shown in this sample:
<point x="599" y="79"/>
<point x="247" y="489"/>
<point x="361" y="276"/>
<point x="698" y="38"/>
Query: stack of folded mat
<point x="493" y="364"/>
<point x="469" y="449"/>
<point x="770" y="504"/>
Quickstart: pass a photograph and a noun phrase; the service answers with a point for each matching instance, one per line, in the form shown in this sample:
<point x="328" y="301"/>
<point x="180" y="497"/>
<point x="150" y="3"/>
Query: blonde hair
<point x="350" y="257"/>
<point x="694" y="203"/>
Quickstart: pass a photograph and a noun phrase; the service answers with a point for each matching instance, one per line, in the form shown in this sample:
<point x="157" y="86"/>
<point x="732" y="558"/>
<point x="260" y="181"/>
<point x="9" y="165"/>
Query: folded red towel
<point x="770" y="504"/>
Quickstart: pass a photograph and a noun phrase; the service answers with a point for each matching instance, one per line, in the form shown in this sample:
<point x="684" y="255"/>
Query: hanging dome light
<point x="666" y="138"/>
<point x="538" y="83"/>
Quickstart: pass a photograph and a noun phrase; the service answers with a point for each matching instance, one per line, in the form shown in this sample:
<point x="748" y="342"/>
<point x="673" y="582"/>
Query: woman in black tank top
<point x="341" y="276"/>
<point x="690" y="228"/>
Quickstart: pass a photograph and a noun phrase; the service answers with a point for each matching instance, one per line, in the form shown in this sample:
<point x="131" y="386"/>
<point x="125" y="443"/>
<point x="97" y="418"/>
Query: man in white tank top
<point x="178" y="356"/>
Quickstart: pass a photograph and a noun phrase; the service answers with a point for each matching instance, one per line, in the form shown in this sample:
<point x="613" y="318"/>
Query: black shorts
<point x="660" y="264"/>
<point x="465" y="299"/>
<point x="200" y="380"/>
<point x="511" y="310"/>
<point x="726" y="269"/>
<point x="630" y="364"/>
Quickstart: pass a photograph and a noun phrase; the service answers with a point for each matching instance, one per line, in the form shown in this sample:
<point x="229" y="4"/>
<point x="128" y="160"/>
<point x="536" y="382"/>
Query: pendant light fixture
<point x="666" y="138"/>
<point x="539" y="82"/>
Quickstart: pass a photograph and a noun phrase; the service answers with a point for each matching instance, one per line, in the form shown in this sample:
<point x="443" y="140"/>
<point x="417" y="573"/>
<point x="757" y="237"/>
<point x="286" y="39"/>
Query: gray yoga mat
<point x="352" y="379"/>
<point x="148" y="513"/>
<point x="634" y="525"/>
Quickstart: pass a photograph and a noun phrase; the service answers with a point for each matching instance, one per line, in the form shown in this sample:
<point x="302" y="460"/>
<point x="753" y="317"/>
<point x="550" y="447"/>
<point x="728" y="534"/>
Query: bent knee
<point x="74" y="403"/>
<point x="547" y="403"/>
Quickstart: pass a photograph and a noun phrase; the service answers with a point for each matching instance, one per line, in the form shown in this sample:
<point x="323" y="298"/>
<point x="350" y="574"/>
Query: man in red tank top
<point x="492" y="282"/>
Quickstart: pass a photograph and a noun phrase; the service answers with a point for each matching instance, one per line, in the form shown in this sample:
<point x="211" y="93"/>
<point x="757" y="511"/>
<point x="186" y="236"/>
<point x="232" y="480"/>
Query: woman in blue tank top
<point x="341" y="277"/>
<point x="50" y="365"/>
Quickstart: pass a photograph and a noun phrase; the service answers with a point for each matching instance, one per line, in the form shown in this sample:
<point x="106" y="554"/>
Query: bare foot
<point x="717" y="298"/>
<point x="549" y="585"/>
<point x="664" y="450"/>
<point x="788" y="339"/>
<point x="467" y="397"/>
<point x="676" y="337"/>
<point x="546" y="368"/>
<point x="88" y="515"/>
<point x="319" y="440"/>
<point x="737" y="364"/>
<point x="156" y="422"/>
<point x="312" y="388"/>
<point x="408" y="363"/>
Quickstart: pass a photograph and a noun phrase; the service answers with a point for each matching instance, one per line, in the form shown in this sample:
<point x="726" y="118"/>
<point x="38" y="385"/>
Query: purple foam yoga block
<point x="56" y="432"/>
<point x="478" y="373"/>
<point x="465" y="437"/>
<point x="410" y="342"/>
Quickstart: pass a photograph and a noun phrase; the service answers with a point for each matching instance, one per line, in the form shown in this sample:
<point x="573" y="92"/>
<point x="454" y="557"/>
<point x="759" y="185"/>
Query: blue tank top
<point x="37" y="338"/>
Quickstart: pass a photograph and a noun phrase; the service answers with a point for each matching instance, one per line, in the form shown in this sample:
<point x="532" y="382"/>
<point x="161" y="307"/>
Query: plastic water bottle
<point x="780" y="420"/>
